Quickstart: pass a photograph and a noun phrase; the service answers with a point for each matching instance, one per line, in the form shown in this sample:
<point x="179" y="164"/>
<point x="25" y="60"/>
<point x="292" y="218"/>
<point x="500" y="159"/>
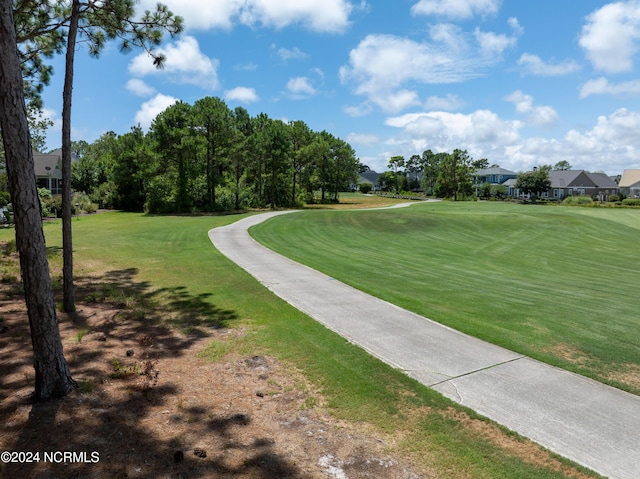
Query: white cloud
<point x="449" y="35"/>
<point x="150" y="109"/>
<point x="139" y="87"/>
<point x="185" y="63"/>
<point x="456" y="9"/>
<point x="482" y="127"/>
<point x="318" y="15"/>
<point x="286" y="54"/>
<point x="381" y="64"/>
<point x="611" y="144"/>
<point x="398" y="100"/>
<point x="54" y="130"/>
<point x="247" y="67"/>
<point x="610" y="36"/>
<point x="536" y="115"/>
<point x="613" y="140"/>
<point x="362" y="109"/>
<point x="198" y="14"/>
<point x="534" y="65"/>
<point x="493" y="43"/>
<point x="515" y="26"/>
<point x="447" y="103"/>
<point x="300" y="87"/>
<point x="241" y="94"/>
<point x="601" y="86"/>
<point x="362" y="139"/>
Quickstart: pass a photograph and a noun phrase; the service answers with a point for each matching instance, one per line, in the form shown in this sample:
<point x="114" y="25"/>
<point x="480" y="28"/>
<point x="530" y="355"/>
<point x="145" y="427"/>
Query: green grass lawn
<point x="174" y="254"/>
<point x="555" y="283"/>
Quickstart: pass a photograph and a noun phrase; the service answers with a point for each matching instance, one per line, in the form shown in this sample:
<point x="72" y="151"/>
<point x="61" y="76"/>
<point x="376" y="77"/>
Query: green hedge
<point x="578" y="200"/>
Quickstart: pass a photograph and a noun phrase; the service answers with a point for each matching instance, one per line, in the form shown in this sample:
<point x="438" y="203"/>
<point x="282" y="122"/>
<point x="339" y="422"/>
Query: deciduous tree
<point x="534" y="182"/>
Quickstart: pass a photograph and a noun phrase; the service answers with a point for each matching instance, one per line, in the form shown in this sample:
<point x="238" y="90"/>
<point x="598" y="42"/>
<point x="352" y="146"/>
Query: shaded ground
<point x="150" y="404"/>
<point x="167" y="390"/>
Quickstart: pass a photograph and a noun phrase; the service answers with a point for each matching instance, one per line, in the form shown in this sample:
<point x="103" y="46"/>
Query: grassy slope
<point x="552" y="283"/>
<point x="175" y="252"/>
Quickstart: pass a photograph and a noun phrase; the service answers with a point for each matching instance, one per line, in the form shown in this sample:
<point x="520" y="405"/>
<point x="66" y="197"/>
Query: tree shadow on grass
<point x="194" y="315"/>
<point x="127" y="419"/>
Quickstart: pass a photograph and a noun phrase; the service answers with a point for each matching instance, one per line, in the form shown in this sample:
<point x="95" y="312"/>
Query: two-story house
<point x="494" y="176"/>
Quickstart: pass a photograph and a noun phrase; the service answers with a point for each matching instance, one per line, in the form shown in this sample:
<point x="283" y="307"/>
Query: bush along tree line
<point x="207" y="157"/>
<point x="445" y="175"/>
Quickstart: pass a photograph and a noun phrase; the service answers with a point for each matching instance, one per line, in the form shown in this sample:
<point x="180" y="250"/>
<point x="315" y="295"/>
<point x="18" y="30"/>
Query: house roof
<point x="568" y="178"/>
<point x="47" y="166"/>
<point x="602" y="180"/>
<point x="630" y="178"/>
<point x="496" y="170"/>
<point x="580" y="178"/>
<point x="369" y="176"/>
<point x="58" y="151"/>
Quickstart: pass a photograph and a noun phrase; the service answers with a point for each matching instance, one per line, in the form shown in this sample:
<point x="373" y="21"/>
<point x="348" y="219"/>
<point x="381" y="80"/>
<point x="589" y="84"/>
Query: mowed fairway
<point x="554" y="283"/>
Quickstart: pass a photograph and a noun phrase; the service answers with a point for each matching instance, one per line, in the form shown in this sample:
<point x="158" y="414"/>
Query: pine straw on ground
<point x="150" y="405"/>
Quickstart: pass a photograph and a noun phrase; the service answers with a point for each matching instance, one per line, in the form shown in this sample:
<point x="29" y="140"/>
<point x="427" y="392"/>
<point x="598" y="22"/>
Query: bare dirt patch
<point x="569" y="353"/>
<point x="150" y="405"/>
<point x="627" y="374"/>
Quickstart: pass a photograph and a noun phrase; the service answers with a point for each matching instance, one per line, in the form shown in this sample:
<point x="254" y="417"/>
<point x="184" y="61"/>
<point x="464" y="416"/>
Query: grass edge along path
<point x="446" y="439"/>
<point x="552" y="283"/>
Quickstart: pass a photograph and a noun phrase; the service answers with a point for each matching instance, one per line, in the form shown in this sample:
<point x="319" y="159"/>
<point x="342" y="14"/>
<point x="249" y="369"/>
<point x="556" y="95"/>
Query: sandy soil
<point x="150" y="406"/>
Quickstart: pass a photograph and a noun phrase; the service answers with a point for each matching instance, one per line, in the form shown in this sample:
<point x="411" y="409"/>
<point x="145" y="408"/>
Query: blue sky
<point x="517" y="82"/>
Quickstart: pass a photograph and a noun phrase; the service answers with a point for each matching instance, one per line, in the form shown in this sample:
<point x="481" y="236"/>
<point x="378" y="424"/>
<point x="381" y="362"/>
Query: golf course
<point x="553" y="283"/>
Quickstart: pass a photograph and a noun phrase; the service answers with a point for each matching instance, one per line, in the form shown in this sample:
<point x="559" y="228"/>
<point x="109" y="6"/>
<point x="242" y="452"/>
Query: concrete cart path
<point x="590" y="423"/>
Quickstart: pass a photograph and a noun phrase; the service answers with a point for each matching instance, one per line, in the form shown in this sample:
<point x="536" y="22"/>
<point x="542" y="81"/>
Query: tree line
<point x="208" y="157"/>
<point x="445" y="175"/>
<point x="453" y="175"/>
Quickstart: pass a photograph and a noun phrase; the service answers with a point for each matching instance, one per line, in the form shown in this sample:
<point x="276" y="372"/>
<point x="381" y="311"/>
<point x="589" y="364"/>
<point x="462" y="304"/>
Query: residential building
<point x="580" y="183"/>
<point x="48" y="169"/>
<point x="630" y="183"/>
<point x="495" y="176"/>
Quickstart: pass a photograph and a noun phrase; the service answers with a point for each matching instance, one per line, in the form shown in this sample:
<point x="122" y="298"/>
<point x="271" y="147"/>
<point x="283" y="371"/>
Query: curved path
<point x="590" y="423"/>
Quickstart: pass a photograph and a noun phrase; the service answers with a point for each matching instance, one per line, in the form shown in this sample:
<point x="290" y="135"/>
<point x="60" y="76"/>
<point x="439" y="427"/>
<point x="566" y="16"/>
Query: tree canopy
<point x="207" y="157"/>
<point x="534" y="182"/>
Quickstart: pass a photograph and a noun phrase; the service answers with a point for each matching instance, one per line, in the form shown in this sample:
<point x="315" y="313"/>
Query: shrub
<point x="631" y="202"/>
<point x="104" y="195"/>
<point x="578" y="201"/>
<point x="366" y="188"/>
<point x="5" y="198"/>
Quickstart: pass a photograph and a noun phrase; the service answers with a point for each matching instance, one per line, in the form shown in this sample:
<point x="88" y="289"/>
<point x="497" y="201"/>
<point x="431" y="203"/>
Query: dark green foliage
<point x="534" y="182"/>
<point x="365" y="188"/>
<point x="207" y="157"/>
<point x="454" y="178"/>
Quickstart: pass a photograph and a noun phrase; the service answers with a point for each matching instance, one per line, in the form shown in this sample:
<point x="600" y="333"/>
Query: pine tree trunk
<point x="68" y="301"/>
<point x="52" y="375"/>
